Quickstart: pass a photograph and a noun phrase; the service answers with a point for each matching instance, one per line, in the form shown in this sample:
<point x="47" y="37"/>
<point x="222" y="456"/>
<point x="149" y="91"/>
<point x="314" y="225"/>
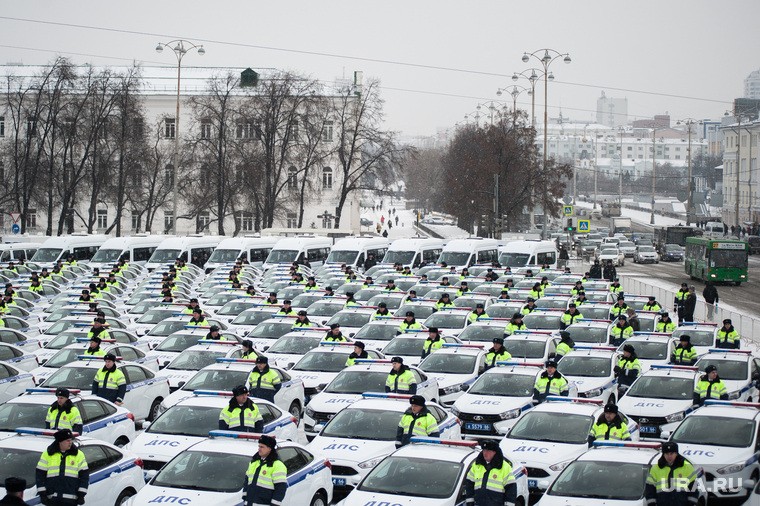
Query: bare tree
<point x="152" y="180"/>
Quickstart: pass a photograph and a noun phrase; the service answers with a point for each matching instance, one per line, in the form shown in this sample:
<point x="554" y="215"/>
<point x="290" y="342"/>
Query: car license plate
<point x="532" y="483"/>
<point x="339" y="482"/>
<point x="648" y="429"/>
<point x="477" y="426"/>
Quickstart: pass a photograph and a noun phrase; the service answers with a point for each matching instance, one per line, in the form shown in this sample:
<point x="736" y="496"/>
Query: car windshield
<point x="651" y="350"/>
<point x="106" y="255"/>
<point x="20" y="463"/>
<point x="504" y="311"/>
<point x="321" y="362"/>
<point x="698" y="337"/>
<point x="397" y="475"/>
<point x="619" y="481"/>
<point x="164" y="256"/>
<point x="71" y="378"/>
<point x="13" y="415"/>
<point x="350" y="319"/>
<point x="727" y="258"/>
<point x="482" y="333"/>
<point x="402" y="257"/>
<point x="166" y="328"/>
<point x="552" y="427"/>
<point x="514" y="259"/>
<point x="447" y="320"/>
<point x="580" y="365"/>
<point x="270" y="330"/>
<point x="342" y="257"/>
<point x="324" y="308"/>
<point x="596" y="335"/>
<point x="542" y="321"/>
<point x="186" y="421"/>
<point x="253" y="317"/>
<point x="294" y="345"/>
<point x="454" y="258"/>
<point x="646" y="249"/>
<point x="156" y="315"/>
<point x="507" y="385"/>
<point x="673" y="247"/>
<point x="404" y="346"/>
<point x="449" y="363"/>
<point x="47" y="255"/>
<point x="391" y="302"/>
<point x="727" y="369"/>
<point x="420" y="311"/>
<point x="199" y="470"/>
<point x="216" y="379"/>
<point x="700" y="430"/>
<point x="372" y="424"/>
<point x="64" y="357"/>
<point x="178" y="342"/>
<point x="662" y="387"/>
<point x="194" y="360"/>
<point x="282" y="256"/>
<point x="224" y="255"/>
<point x="306" y="299"/>
<point x="357" y="382"/>
<point x="63" y="339"/>
<point x="595" y="312"/>
<point x="523" y="348"/>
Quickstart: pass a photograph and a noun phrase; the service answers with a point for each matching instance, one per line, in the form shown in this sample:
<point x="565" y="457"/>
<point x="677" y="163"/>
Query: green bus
<point x="716" y="260"/>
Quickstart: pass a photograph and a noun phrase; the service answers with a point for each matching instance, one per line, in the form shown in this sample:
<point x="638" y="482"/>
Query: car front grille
<point x="535" y="472"/>
<point x="152" y="465"/>
<point x="649" y="420"/>
<point x="469" y="417"/>
<point x="344" y="471"/>
<point x="322" y="418"/>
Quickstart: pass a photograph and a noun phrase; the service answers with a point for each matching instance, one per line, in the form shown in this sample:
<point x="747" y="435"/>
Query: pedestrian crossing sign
<point x="568" y="210"/>
<point x="583" y="226"/>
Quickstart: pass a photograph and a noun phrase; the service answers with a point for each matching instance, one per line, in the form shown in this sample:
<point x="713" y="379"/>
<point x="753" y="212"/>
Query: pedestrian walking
<point x="690" y="305"/>
<point x="710" y="294"/>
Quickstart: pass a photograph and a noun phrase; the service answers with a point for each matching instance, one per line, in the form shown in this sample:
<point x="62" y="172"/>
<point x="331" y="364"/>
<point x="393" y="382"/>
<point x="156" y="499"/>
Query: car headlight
<point x="452" y="389"/>
<point x="733" y="468"/>
<point x="559" y="466"/>
<point x="675" y="417"/>
<point x="455" y="411"/>
<point x="734" y="395"/>
<point x="309" y="412"/>
<point x="512" y="413"/>
<point x="592" y="393"/>
<point x="369" y="464"/>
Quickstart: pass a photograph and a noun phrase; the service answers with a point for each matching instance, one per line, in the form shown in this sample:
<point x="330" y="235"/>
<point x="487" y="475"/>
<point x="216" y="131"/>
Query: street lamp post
<point x="654" y="178"/>
<point x="690" y="188"/>
<point x="180" y="48"/>
<point x="532" y="78"/>
<point x="515" y="92"/>
<point x="549" y="56"/>
<point x="620" y="170"/>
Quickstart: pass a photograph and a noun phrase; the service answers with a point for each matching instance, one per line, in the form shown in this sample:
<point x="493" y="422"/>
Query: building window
<point x="2" y="126"/>
<point x="204" y="219"/>
<point x="31" y="126"/>
<point x="205" y="129"/>
<point x="168" y="221"/>
<point x="136" y="220"/>
<point x="292" y="220"/>
<point x="327" y="220"/>
<point x="244" y="130"/>
<point x="294" y="131"/>
<point x="170" y="128"/>
<point x="244" y="221"/>
<point x="292" y="178"/>
<point x="327" y="178"/>
<point x="135" y="175"/>
<point x="2" y="171"/>
<point x="630" y="148"/>
<point x="240" y="174"/>
<point x="678" y="157"/>
<point x="102" y="215"/>
<point x="31" y="219"/>
<point x="169" y="175"/>
<point x="327" y="133"/>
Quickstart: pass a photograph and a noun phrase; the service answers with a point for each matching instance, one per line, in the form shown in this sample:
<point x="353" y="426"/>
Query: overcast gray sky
<point x="699" y="49"/>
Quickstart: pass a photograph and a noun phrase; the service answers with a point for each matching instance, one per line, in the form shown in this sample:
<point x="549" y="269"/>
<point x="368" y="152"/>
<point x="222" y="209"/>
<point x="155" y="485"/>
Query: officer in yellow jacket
<point x="109" y="382"/>
<point x="400" y="379"/>
<point x="242" y="414"/>
<point x="490" y="480"/>
<point x="727" y="336"/>
<point x="264" y="382"/>
<point x="609" y="426"/>
<point x="62" y="414"/>
<point x="710" y="386"/>
<point x="62" y="474"/>
<point x="416" y="422"/>
<point x="266" y="480"/>
<point x="550" y="382"/>
<point x="671" y="480"/>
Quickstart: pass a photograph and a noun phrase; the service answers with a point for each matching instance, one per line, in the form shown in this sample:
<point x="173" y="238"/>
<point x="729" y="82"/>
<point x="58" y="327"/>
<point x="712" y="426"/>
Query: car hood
<point x="548" y="500"/>
<point x="312" y="379"/>
<point x="491" y="404"/>
<point x="543" y="453"/>
<point x="446" y="380"/>
<point x="163" y="357"/>
<point x="350" y="450"/>
<point x="585" y="384"/>
<point x="162" y="447"/>
<point x="175" y="376"/>
<point x="712" y="457"/>
<point x="641" y="406"/>
<point x="359" y="498"/>
<point x="332" y="403"/>
<point x="176" y="397"/>
<point x="283" y="360"/>
<point x="149" y="495"/>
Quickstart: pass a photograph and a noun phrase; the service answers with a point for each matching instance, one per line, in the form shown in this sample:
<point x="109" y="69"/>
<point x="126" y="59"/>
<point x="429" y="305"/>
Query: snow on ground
<point x="404" y="228"/>
<point x="643" y="217"/>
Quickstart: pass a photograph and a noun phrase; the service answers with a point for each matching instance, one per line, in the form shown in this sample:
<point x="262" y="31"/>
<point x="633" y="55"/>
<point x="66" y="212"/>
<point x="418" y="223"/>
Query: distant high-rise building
<point x="752" y="85"/>
<point x="611" y="112"/>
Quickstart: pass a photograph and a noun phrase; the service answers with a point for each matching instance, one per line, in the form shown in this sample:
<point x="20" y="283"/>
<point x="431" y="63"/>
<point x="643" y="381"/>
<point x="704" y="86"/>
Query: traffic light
<point x="570" y="227"/>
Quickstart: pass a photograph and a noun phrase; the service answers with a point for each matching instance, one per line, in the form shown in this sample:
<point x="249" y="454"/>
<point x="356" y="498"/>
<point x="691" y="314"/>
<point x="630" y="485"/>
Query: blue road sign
<point x="16" y="228"/>
<point x="583" y="226"/>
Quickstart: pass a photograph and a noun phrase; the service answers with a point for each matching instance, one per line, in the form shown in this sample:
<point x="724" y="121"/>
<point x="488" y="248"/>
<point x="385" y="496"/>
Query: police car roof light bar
<point x="491" y="319"/>
<point x="461" y="345"/>
<point x="598" y="320"/>
<point x="371" y="361"/>
<point x="234" y="435"/>
<point x="214" y="341"/>
<point x="641" y="333"/>
<point x="696" y="324"/>
<point x="716" y="402"/>
<point x="374" y="395"/>
<point x="625" y="444"/>
<point x="39" y="390"/>
<point x="331" y="343"/>
<point x="215" y="393"/>
<point x="507" y="363"/>
<point x="284" y="316"/>
<point x="225" y="360"/>
<point x="31" y="431"/>
<point x="575" y="400"/>
<point x="724" y="350"/>
<point x="595" y="348"/>
<point x="445" y="442"/>
<point x="95" y="357"/>
<point x="681" y="367"/>
<point x="205" y="327"/>
<point x="529" y="331"/>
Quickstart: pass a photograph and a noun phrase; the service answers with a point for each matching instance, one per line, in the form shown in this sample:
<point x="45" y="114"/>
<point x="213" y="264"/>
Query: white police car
<point x="409" y="345"/>
<point x="738" y="369"/>
<point x="611" y="472"/>
<point x="349" y="385"/>
<point x="351" y="319"/>
<point x="660" y="398"/>
<point x="23" y="340"/>
<point x="193" y="359"/>
<point x="263" y="335"/>
<point x="592" y="371"/>
<point x="289" y="349"/>
<point x="588" y="331"/>
<point x="101" y="419"/>
<point x="483" y="331"/>
<point x="227" y="373"/>
<point x="652" y="348"/>
<point x="702" y="335"/>
<point x="452" y="366"/>
<point x="18" y="357"/>
<point x="212" y="472"/>
<point x="492" y="403"/>
<point x="450" y="321"/>
<point x="190" y="420"/>
<point x="548" y="437"/>
<point x="429" y="472"/>
<point x="144" y="394"/>
<point x="320" y="366"/>
<point x="377" y="333"/>
<point x="543" y="319"/>
<point x="248" y="320"/>
<point x="171" y="346"/>
<point x="531" y="345"/>
<point x="722" y="437"/>
<point x="363" y="433"/>
<point x="115" y="473"/>
<point x="13" y="381"/>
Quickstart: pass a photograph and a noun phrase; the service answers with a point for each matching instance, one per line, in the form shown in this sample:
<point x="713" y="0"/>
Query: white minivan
<point x="80" y="246"/>
<point x="353" y="251"/>
<point x="11" y="252"/>
<point x="461" y="253"/>
<point x="414" y="253"/>
<point x="193" y="249"/>
<point x="254" y="249"/>
<point x="306" y="250"/>
<point x="528" y="253"/>
<point x="135" y="249"/>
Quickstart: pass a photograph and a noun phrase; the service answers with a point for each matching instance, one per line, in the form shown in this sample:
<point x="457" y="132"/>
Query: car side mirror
<point x="665" y="435"/>
<point x="180" y="384"/>
<point x="465" y="387"/>
<point x="42" y="362"/>
<point x="265" y="348"/>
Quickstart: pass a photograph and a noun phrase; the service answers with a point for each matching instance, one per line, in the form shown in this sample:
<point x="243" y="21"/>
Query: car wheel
<point x="153" y="413"/>
<point x="295" y="411"/>
<point x="124" y="496"/>
<point x="318" y="500"/>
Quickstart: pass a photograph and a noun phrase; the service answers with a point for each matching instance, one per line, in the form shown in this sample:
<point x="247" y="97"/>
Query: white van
<point x="135" y="249"/>
<point x="414" y="253"/>
<point x="18" y="251"/>
<point x="353" y="251"/>
<point x="82" y="247"/>
<point x="254" y="249"/>
<point x="193" y="249"/>
<point x="714" y="229"/>
<point x="525" y="253"/>
<point x="308" y="250"/>
<point x="461" y="253"/>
